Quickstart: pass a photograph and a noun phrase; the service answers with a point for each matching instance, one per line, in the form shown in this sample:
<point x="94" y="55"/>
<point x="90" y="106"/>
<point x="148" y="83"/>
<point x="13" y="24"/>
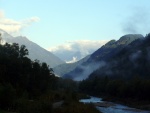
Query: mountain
<point x="113" y="47"/>
<point x="99" y="58"/>
<point x="131" y="61"/>
<point x="35" y="51"/>
<point x="62" y="69"/>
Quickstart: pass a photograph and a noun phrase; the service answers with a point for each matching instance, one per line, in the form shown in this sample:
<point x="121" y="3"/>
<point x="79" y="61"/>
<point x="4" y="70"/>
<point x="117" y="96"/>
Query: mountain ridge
<point x="35" y="51"/>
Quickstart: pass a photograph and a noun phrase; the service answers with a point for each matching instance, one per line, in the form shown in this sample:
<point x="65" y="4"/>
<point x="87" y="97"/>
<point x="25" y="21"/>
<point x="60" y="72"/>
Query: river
<point x="111" y="107"/>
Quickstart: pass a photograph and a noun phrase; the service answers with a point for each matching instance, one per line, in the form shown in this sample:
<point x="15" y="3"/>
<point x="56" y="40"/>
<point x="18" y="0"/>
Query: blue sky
<point x="53" y="22"/>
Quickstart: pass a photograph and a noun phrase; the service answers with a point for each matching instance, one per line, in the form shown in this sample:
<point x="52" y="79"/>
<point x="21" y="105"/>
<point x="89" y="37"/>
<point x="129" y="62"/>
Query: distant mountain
<point x="74" y="51"/>
<point x="62" y="69"/>
<point x="99" y="58"/>
<point x="35" y="51"/>
<point x="69" y="56"/>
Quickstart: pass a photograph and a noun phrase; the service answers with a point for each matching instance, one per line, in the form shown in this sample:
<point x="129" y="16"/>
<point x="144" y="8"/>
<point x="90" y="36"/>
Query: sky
<point x="50" y="23"/>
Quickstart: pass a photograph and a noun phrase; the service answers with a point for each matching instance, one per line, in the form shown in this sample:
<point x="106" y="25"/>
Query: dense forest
<point x="31" y="87"/>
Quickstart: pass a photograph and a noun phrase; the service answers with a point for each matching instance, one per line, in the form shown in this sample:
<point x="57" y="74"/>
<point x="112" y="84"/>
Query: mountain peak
<point x="126" y="39"/>
<point x="2" y="31"/>
<point x="5" y="35"/>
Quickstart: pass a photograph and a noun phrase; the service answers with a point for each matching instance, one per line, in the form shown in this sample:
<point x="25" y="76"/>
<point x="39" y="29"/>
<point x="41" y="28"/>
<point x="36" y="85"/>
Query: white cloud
<point x="81" y="45"/>
<point x="14" y="26"/>
<point x="75" y="50"/>
<point x="67" y="46"/>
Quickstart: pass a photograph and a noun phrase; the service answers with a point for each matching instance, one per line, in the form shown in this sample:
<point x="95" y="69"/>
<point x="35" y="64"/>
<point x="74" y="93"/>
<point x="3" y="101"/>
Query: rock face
<point x="102" y="55"/>
<point x="35" y="51"/>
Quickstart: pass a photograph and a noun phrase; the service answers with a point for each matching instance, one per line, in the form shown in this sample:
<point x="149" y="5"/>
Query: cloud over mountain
<point x="75" y="50"/>
<point x="14" y="26"/>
